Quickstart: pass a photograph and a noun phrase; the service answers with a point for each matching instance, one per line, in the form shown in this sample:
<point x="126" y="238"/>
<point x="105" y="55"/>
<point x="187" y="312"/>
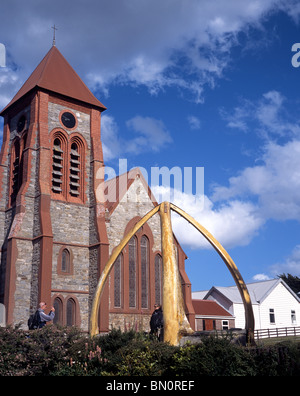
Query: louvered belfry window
<point x="74" y="170"/>
<point x="132" y="272"/>
<point x="57" y="167"/>
<point x="15" y="170"/>
<point x="144" y="270"/>
<point x="67" y="167"/>
<point x="17" y="152"/>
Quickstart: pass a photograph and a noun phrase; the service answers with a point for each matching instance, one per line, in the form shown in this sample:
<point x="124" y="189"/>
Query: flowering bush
<point x="37" y="352"/>
<point x="67" y="351"/>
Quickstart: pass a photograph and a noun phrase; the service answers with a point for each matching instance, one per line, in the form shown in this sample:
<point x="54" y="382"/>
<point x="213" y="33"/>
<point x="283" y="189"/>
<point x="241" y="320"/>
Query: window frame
<point x="144" y="265"/>
<point x="272" y="316"/>
<point x="16" y="160"/>
<point x="118" y="283"/>
<point x="70" y="302"/>
<point x="72" y="169"/>
<point x="70" y="269"/>
<point x="225" y="324"/>
<point x="62" y="318"/>
<point x="132" y="277"/>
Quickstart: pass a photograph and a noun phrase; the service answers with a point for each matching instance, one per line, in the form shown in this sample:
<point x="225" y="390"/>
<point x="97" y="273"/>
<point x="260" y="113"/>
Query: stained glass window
<point x="132" y="272"/>
<point x="144" y="270"/>
<point x="117" y="282"/>
<point x="71" y="312"/>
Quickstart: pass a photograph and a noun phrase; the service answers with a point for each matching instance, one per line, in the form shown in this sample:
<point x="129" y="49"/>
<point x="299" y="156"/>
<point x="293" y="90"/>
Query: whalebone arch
<point x="176" y="323"/>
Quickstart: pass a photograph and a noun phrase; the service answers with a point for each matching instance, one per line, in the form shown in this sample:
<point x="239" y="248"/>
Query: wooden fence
<point x="277" y="332"/>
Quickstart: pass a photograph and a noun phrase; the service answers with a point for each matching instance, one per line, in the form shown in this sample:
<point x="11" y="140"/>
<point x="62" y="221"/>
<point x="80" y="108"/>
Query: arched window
<point x="74" y="170"/>
<point x="65" y="261"/>
<point x="132" y="272"/>
<point x="118" y="282"/>
<point x="58" y="318"/>
<point x="57" y="166"/>
<point x="68" y="155"/>
<point x="16" y="152"/>
<point x="158" y="279"/>
<point x="144" y="271"/>
<point x="17" y="160"/>
<point x="71" y="312"/>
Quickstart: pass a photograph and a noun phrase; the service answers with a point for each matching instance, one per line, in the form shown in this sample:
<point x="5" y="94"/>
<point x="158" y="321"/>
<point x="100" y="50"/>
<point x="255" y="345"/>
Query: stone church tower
<point x="59" y="220"/>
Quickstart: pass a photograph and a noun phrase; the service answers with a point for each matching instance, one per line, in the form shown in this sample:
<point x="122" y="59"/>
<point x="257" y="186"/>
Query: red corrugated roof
<point x="55" y="74"/>
<point x="209" y="308"/>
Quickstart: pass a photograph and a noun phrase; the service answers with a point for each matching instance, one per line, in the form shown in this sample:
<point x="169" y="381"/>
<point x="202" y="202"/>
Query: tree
<point x="292" y="281"/>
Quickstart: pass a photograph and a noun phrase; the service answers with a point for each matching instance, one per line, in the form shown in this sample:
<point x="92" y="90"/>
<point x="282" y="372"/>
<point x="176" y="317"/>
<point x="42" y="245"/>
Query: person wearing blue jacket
<point x="44" y="318"/>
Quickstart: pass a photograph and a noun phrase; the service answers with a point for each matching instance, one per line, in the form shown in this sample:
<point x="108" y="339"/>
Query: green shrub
<point x="282" y="359"/>
<point x="68" y="352"/>
<point x="38" y="352"/>
<point x="213" y="357"/>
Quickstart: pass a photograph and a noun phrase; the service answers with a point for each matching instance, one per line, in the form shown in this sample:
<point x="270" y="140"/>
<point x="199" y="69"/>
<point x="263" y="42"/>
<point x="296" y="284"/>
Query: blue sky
<point x="189" y="83"/>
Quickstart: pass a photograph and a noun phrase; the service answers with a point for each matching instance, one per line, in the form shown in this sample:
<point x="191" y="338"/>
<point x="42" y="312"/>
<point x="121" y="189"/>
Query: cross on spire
<point x="54" y="28"/>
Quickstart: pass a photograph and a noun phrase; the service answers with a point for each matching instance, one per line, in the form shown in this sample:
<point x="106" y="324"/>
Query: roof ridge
<point x="55" y="74"/>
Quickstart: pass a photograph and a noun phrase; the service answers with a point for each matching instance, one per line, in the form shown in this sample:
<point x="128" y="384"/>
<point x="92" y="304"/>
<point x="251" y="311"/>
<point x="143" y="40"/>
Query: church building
<point x="60" y="220"/>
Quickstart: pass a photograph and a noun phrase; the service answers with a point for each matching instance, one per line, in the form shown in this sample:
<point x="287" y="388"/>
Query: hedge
<point x="54" y="351"/>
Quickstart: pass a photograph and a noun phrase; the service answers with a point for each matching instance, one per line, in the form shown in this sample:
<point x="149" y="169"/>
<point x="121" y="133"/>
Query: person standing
<point x="157" y="322"/>
<point x="44" y="318"/>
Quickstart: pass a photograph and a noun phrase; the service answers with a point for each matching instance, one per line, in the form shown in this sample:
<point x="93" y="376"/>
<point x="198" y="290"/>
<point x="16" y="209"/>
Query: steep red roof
<point x="55" y="74"/>
<point x="209" y="308"/>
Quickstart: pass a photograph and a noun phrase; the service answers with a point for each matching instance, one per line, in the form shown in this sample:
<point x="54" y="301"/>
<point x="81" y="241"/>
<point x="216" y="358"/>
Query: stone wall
<point x="71" y="226"/>
<point x="135" y="202"/>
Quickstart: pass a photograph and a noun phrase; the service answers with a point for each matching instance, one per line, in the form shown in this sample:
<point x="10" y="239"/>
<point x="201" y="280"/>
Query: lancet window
<point x="67" y="168"/>
<point x="118" y="282"/>
<point x="17" y="159"/>
<point x="57" y="166"/>
<point x="144" y="271"/>
<point x="74" y="170"/>
<point x="132" y="246"/>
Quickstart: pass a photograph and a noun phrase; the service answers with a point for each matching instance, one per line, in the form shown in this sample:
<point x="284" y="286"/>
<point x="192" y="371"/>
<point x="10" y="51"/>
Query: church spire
<point x="55" y="74"/>
<point x="54" y="28"/>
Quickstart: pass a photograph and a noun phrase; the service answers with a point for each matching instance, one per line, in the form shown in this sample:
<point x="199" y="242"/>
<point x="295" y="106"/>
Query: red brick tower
<point x="53" y="233"/>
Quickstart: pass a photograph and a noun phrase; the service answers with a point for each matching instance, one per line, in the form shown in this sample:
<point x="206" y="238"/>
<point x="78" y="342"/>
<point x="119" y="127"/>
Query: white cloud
<point x="260" y="277"/>
<point x="232" y="224"/>
<point x="290" y="266"/>
<point x="267" y="117"/>
<point x="194" y="122"/>
<point x="110" y="139"/>
<point x="275" y="184"/>
<point x="145" y="134"/>
<point x="8" y="82"/>
<point x="152" y="134"/>
<point x="157" y="44"/>
<point x="235" y="213"/>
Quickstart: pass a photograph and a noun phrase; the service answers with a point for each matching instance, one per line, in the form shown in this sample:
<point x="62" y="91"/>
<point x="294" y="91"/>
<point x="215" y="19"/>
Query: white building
<point x="274" y="304"/>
